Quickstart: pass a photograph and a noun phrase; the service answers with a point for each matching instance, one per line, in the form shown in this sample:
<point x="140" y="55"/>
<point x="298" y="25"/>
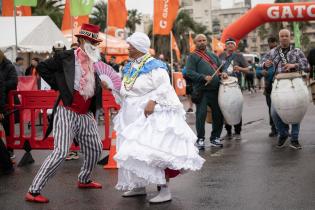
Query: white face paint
<point x="92" y="51"/>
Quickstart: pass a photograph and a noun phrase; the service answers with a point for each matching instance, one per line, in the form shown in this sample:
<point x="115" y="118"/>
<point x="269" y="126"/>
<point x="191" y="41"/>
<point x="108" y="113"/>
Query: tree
<point x="134" y="18"/>
<point x="52" y="8"/>
<point x="99" y="15"/>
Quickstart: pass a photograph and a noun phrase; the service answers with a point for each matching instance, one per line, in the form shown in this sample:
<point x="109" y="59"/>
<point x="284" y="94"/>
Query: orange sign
<point x="117" y="13"/>
<point x="179" y="83"/>
<point x="77" y="21"/>
<point x="8" y="9"/>
<point x="165" y="12"/>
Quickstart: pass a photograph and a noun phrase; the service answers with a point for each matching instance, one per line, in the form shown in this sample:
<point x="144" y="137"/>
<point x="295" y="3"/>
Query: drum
<point x="231" y="100"/>
<point x="290" y="97"/>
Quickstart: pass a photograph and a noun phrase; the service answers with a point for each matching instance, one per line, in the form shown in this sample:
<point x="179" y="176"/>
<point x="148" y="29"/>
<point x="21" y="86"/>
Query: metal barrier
<point x="44" y="100"/>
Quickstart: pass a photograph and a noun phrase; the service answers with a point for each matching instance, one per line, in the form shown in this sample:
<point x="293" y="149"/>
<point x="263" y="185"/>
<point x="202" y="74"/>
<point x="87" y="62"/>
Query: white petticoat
<point x="147" y="146"/>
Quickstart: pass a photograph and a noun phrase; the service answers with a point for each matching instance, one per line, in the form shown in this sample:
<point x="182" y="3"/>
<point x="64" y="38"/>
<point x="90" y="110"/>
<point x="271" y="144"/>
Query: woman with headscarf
<point x="154" y="141"/>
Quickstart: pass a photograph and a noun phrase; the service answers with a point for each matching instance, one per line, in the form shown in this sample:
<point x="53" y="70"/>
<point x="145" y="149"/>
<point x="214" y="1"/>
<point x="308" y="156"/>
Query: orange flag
<point x="175" y="47"/>
<point x="217" y="46"/>
<point x="8" y="9"/>
<point x="117" y="13"/>
<point x="192" y="45"/>
<point x="77" y="20"/>
<point x="165" y="12"/>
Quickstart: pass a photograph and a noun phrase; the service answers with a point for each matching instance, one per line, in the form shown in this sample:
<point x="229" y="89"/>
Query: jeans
<point x="283" y="129"/>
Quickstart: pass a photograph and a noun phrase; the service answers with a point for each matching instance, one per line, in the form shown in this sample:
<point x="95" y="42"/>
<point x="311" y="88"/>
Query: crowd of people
<point x="154" y="142"/>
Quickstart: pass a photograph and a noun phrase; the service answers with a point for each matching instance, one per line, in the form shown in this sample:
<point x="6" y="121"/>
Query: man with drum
<point x="234" y="65"/>
<point x="201" y="69"/>
<point x="285" y="59"/>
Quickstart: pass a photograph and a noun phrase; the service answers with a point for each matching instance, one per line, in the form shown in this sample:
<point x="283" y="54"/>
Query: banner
<point x="179" y="83"/>
<point x="77" y="21"/>
<point x="117" y="13"/>
<point x="175" y="47"/>
<point x="8" y="9"/>
<point x="31" y="3"/>
<point x="81" y="7"/>
<point x="165" y="12"/>
<point x="217" y="46"/>
<point x="192" y="45"/>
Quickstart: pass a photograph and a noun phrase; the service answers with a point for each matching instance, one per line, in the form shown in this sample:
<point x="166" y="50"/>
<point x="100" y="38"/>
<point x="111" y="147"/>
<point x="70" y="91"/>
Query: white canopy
<point x="35" y="34"/>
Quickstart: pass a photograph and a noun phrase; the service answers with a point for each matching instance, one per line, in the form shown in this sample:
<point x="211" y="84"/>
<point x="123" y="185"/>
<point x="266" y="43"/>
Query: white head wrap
<point x="140" y="41"/>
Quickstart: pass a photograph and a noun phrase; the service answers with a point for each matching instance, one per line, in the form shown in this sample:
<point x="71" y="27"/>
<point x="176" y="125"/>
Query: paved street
<point x="246" y="174"/>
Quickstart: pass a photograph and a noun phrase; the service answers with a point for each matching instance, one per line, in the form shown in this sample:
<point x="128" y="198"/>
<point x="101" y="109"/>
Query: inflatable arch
<point x="263" y="13"/>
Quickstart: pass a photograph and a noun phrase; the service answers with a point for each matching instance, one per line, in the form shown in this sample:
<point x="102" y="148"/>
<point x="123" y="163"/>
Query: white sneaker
<point x="135" y="192"/>
<point x="163" y="196"/>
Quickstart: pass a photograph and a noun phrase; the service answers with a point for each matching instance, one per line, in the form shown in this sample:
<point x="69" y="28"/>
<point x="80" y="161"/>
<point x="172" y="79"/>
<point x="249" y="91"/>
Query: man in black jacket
<point x="6" y="166"/>
<point x="71" y="72"/>
<point x="10" y="81"/>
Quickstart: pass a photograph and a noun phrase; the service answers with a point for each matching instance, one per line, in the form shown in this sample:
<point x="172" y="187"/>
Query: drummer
<point x="285" y="59"/>
<point x="234" y="65"/>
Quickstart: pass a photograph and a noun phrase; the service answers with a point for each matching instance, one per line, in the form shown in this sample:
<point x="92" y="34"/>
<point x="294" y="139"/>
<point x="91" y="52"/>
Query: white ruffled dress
<point x="147" y="146"/>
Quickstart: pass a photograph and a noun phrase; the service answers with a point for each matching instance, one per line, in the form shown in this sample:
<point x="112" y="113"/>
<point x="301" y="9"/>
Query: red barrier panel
<point x="44" y="100"/>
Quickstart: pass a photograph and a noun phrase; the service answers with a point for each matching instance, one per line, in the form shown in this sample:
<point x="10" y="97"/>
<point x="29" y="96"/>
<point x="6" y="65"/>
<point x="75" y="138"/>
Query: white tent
<point x="35" y="34"/>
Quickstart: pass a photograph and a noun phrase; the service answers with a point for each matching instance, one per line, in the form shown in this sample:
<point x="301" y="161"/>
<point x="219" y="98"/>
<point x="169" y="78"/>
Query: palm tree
<point x="52" y="8"/>
<point x="134" y="18"/>
<point x="99" y="15"/>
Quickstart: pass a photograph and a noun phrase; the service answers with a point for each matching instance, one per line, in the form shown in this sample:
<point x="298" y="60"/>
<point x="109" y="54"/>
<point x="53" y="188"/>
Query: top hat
<point x="89" y="32"/>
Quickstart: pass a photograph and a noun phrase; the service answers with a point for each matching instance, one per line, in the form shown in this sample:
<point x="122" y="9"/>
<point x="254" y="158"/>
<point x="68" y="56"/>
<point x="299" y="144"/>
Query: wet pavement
<point x="247" y="174"/>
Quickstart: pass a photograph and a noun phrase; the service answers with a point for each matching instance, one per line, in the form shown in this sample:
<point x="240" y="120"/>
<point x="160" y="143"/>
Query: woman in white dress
<point x="154" y="141"/>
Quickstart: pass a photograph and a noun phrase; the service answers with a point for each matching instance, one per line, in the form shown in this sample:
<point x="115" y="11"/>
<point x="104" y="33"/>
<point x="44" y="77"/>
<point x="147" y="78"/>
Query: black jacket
<point x="59" y="71"/>
<point x="2" y="95"/>
<point x="9" y="75"/>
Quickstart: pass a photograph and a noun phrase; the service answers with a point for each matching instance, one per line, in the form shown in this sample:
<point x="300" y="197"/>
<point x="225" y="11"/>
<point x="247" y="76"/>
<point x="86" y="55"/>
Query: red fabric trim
<point x="207" y="59"/>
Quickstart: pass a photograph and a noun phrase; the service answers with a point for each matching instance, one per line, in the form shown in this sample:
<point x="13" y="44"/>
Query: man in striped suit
<point x="71" y="72"/>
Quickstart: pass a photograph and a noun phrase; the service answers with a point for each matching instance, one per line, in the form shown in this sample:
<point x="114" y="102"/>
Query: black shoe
<point x="228" y="136"/>
<point x="273" y="134"/>
<point x="200" y="144"/>
<point x="281" y="141"/>
<point x="295" y="145"/>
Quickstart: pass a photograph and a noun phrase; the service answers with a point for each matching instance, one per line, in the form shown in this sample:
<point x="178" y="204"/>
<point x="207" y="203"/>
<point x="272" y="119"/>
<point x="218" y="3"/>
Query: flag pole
<point x="171" y="56"/>
<point x="16" y="41"/>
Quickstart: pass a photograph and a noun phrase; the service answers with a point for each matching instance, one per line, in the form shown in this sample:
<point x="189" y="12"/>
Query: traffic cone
<point x="112" y="151"/>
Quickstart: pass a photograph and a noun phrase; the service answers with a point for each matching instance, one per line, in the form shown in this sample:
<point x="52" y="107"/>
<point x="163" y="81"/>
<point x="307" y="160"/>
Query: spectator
<point x="31" y="70"/>
<point x="269" y="75"/>
<point x="9" y="76"/>
<point x="74" y="45"/>
<point x="6" y="166"/>
<point x="19" y="66"/>
<point x="112" y="63"/>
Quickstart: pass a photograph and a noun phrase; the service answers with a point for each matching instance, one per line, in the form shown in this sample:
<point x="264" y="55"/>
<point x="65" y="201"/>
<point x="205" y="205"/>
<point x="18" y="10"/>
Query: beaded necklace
<point x="130" y="79"/>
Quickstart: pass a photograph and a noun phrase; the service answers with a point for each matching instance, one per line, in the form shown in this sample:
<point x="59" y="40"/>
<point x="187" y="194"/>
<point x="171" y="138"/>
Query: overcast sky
<point x="146" y="6"/>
